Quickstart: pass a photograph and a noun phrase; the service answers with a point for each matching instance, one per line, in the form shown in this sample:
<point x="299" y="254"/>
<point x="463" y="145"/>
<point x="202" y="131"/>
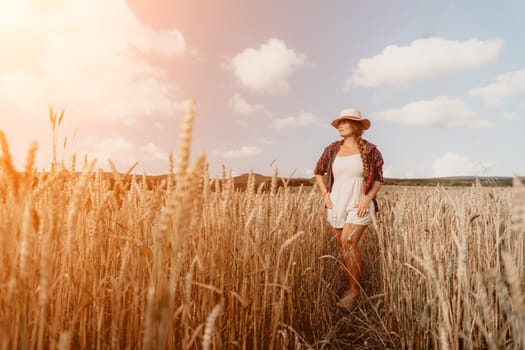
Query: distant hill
<point x="499" y="181"/>
<point x="242" y="180"/>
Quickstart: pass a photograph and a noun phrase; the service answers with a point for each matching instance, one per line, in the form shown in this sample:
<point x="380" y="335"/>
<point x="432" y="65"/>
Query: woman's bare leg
<point x="341" y="252"/>
<point x="338" y="240"/>
<point x="350" y="255"/>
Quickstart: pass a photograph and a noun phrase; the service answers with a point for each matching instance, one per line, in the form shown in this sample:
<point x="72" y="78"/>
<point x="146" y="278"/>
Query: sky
<point x="443" y="82"/>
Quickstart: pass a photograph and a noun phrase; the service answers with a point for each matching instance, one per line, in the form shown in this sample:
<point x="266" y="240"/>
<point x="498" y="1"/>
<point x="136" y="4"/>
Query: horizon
<point x="245" y="174"/>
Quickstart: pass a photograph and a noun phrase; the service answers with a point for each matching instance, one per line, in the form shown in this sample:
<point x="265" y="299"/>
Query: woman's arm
<point x="364" y="203"/>
<point x="373" y="191"/>
<point x="322" y="187"/>
<point x="321" y="184"/>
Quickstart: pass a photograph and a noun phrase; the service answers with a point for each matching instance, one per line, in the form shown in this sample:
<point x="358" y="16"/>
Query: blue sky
<point x="443" y="82"/>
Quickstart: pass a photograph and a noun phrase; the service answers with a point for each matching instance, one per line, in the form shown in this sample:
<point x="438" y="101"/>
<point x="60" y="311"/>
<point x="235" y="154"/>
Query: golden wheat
<point x="119" y="261"/>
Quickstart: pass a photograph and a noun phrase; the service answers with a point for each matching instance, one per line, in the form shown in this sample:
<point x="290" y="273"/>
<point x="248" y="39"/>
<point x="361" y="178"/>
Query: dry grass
<point x="193" y="263"/>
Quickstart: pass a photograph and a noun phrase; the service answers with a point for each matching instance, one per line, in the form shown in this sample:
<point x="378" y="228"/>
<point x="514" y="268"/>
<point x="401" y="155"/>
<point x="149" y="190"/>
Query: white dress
<point x="346" y="192"/>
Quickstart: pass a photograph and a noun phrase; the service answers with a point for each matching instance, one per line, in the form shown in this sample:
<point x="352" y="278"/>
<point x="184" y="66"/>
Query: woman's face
<point x="345" y="128"/>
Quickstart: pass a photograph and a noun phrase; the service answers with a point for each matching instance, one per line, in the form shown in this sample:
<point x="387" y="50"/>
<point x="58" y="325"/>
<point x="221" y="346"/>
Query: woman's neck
<point x="349" y="140"/>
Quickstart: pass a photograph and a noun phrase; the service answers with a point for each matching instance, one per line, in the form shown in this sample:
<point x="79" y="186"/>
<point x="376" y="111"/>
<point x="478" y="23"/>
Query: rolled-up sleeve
<point x="378" y="166"/>
<point x="322" y="164"/>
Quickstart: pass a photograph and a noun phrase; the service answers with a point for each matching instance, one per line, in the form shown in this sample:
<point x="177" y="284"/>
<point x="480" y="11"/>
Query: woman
<point x="354" y="174"/>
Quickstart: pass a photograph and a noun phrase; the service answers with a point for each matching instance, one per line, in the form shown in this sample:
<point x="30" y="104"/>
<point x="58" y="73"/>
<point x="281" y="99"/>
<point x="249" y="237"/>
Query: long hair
<point x="358" y="129"/>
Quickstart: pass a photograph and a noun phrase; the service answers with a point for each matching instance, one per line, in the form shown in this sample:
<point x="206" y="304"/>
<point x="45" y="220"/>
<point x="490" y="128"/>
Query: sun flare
<point x="15" y="14"/>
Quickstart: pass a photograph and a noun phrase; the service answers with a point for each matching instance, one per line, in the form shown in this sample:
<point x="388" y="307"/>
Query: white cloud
<point x="124" y="154"/>
<point x="241" y="106"/>
<point x="510" y="116"/>
<point x="441" y="111"/>
<point x="302" y="119"/>
<point x="14" y="86"/>
<point x="388" y="171"/>
<point x="452" y="164"/>
<point x="152" y="151"/>
<point x="242" y="122"/>
<point x="510" y="84"/>
<point x="410" y="174"/>
<point x="268" y="68"/>
<point x="421" y="60"/>
<point x="264" y="141"/>
<point x="244" y="151"/>
<point x="308" y="172"/>
<point x="88" y="57"/>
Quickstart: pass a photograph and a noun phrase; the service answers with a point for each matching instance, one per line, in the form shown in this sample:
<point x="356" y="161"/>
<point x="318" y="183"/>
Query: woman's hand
<point x="327" y="201"/>
<point x="362" y="206"/>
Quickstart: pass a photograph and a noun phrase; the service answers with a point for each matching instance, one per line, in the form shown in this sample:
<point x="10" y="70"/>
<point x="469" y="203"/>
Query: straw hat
<point x="351" y="114"/>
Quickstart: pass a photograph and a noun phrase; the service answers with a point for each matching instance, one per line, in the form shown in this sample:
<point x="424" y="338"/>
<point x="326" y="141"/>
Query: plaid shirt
<point x="375" y="164"/>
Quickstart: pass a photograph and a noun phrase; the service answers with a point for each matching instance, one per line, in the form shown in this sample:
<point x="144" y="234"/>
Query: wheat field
<point x="91" y="262"/>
